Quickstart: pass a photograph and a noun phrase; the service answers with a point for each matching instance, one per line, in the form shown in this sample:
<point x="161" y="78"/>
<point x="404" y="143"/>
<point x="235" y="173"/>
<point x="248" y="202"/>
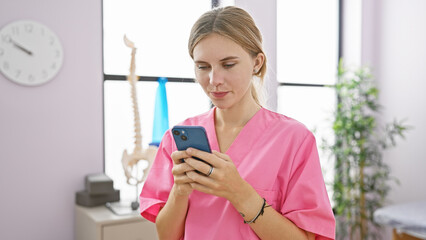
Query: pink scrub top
<point x="275" y="154"/>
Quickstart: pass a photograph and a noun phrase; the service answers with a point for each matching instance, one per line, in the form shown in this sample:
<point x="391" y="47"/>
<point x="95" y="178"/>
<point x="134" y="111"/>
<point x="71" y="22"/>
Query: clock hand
<point x="21" y="47"/>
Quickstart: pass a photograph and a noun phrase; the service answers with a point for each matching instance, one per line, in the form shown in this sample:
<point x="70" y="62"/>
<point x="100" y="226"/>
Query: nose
<point x="215" y="77"/>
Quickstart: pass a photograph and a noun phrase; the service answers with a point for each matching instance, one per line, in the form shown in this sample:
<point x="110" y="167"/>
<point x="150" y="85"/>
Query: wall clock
<point x="30" y="53"/>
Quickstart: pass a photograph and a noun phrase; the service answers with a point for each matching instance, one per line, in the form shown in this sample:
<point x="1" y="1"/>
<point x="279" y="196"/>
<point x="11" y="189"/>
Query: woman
<point x="263" y="178"/>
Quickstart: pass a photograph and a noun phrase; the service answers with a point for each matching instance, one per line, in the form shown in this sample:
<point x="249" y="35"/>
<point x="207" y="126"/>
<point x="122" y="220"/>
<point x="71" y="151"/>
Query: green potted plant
<point x="361" y="176"/>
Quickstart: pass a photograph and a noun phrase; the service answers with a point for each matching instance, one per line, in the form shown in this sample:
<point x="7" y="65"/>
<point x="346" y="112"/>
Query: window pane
<point x="159" y="29"/>
<point x="307" y="41"/>
<point x="314" y="107"/>
<point x="184" y="100"/>
<point x="224" y="3"/>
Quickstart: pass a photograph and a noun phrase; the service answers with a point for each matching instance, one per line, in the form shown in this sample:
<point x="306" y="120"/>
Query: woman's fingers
<point x="221" y="155"/>
<point x="177" y="156"/>
<point x="208" y="157"/>
<point x="181" y="168"/>
<point x="198" y="165"/>
<point x="182" y="179"/>
<point x="203" y="180"/>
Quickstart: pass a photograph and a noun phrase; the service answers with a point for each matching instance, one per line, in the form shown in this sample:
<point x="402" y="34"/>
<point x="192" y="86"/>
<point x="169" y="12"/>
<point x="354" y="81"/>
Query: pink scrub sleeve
<point x="159" y="182"/>
<point x="306" y="201"/>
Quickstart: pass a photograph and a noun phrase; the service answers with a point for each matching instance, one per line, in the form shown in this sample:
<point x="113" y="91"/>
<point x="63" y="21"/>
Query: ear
<point x="258" y="61"/>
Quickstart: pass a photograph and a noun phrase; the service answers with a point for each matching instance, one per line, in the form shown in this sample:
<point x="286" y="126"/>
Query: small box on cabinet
<point x="98" y="184"/>
<point x="99" y="190"/>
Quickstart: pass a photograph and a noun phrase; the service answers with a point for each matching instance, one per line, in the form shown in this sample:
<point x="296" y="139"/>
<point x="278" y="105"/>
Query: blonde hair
<point x="237" y="25"/>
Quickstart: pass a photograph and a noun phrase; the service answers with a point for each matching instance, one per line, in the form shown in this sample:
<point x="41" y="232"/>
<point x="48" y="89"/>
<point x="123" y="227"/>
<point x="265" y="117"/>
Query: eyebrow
<point x="221" y="60"/>
<point x="229" y="58"/>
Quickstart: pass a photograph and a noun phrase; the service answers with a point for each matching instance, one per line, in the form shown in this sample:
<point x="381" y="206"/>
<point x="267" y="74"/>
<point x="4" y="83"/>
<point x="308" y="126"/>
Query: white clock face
<point x="30" y="53"/>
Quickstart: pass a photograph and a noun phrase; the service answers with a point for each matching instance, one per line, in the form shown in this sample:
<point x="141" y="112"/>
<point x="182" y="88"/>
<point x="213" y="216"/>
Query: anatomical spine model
<point x="130" y="161"/>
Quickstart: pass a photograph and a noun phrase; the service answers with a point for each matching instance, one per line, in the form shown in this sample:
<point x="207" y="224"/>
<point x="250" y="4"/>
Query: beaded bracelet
<point x="258" y="214"/>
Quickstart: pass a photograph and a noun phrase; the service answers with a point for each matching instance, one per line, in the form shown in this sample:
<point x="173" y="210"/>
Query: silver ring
<point x="210" y="172"/>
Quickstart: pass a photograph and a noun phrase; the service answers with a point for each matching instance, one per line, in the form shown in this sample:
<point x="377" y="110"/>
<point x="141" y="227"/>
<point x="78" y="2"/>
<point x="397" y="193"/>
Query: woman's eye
<point x="202" y="67"/>
<point x="229" y="65"/>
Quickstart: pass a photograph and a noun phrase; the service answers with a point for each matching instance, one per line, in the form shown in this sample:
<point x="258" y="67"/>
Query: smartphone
<point x="191" y="136"/>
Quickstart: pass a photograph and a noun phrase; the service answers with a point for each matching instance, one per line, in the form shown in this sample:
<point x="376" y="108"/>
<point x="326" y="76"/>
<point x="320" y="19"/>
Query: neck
<point x="238" y="115"/>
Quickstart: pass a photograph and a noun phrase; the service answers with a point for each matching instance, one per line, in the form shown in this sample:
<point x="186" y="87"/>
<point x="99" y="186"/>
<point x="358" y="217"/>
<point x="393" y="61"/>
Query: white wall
<point x="394" y="45"/>
<point x="264" y="14"/>
<point x="51" y="136"/>
<point x="396" y="49"/>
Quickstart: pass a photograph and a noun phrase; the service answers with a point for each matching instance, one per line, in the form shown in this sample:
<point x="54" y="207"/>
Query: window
<point x="150" y="25"/>
<point x="307" y="41"/>
<point x="307" y="57"/>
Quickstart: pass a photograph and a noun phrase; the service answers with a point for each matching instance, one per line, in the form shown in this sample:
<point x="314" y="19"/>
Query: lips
<point x="218" y="94"/>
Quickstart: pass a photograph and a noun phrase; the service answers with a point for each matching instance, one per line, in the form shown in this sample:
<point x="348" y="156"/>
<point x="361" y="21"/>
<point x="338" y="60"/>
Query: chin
<point x="222" y="104"/>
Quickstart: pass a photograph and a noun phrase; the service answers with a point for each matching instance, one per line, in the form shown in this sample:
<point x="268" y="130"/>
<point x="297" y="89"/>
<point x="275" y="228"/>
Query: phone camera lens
<point x="176" y="132"/>
<point x="183" y="137"/>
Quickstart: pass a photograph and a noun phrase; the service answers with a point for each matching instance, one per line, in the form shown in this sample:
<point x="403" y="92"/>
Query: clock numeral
<point x="6" y="65"/>
<point x="18" y="73"/>
<point x="53" y="66"/>
<point x="44" y="74"/>
<point x="29" y="28"/>
<point x="52" y="41"/>
<point x="42" y="31"/>
<point x="6" y="38"/>
<point x="15" y="30"/>
<point x="1" y="52"/>
<point x="57" y="53"/>
<point x="31" y="78"/>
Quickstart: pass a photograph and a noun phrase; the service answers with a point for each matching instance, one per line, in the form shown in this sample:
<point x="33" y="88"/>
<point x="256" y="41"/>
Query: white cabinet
<point x="99" y="223"/>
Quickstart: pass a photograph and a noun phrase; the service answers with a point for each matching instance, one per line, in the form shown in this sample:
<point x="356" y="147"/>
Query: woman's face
<point x="224" y="70"/>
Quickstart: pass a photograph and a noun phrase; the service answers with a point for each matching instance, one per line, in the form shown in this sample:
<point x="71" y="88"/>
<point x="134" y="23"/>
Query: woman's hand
<point x="179" y="170"/>
<point x="224" y="181"/>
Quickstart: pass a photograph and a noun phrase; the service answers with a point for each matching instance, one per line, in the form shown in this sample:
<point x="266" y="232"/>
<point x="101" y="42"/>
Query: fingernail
<point x="189" y="150"/>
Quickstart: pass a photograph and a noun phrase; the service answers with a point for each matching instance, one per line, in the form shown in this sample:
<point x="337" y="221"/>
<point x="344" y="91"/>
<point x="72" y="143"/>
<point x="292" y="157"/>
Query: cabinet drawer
<point x="140" y="230"/>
